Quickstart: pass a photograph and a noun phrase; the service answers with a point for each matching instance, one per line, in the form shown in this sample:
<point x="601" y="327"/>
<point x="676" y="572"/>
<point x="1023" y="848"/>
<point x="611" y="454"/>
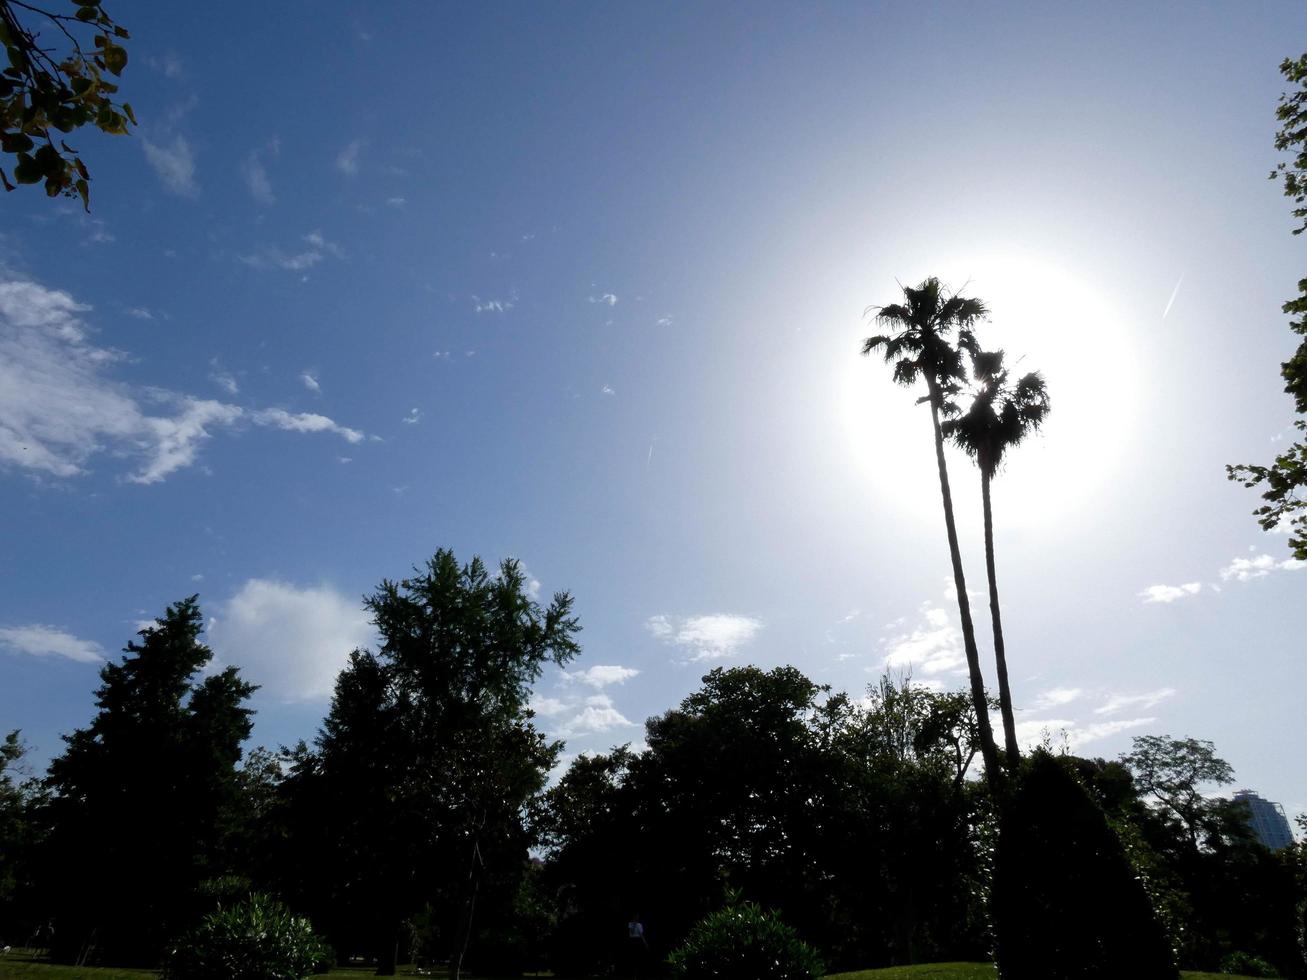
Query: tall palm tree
<point x="920" y="349"/>
<point x="1000" y="416"/>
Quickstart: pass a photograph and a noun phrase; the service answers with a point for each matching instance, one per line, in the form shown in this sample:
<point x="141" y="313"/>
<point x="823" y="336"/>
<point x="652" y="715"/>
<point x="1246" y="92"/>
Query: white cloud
<point x="601" y="675"/>
<point x="933" y="646"/>
<point x="176" y="439"/>
<point x="607" y="390"/>
<point x="596" y="715"/>
<point x="1147" y="699"/>
<point x="1034" y="731"/>
<point x="491" y="305"/>
<point x="226" y="381"/>
<point x="1056" y="697"/>
<point x="1169" y="593"/>
<point x="59" y="405"/>
<point x="310" y="382"/>
<point x="664" y="321"/>
<point x="256" y="174"/>
<point x="48" y="641"/>
<point x="413" y="417"/>
<point x="347" y="160"/>
<point x="140" y="312"/>
<point x="608" y="299"/>
<point x="272" y="257"/>
<point x="279" y="418"/>
<point x="547" y="707"/>
<point x="396" y="202"/>
<point x="708" y="637"/>
<point x="174" y="162"/>
<point x="1247" y="569"/>
<point x="291" y="641"/>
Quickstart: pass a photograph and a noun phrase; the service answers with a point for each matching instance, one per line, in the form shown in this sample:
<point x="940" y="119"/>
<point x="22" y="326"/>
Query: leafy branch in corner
<point x="48" y="91"/>
<point x="1285" y="480"/>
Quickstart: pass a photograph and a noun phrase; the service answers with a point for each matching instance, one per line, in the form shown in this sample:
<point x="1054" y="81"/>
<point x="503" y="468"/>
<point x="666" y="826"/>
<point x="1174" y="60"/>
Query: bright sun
<point x="1047" y="320"/>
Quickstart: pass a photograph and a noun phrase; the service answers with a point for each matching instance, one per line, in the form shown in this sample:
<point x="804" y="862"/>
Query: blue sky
<point x="581" y="284"/>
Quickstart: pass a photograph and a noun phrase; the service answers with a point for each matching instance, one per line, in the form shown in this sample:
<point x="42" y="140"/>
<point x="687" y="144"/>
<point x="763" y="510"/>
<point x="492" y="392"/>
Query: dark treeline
<point x="419" y="825"/>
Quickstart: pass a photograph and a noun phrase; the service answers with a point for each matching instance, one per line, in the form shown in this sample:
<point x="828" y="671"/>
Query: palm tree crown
<point x="919" y="347"/>
<point x="1001" y="415"/>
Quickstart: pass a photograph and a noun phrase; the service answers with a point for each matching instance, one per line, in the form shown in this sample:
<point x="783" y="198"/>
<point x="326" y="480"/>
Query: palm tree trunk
<point x="988" y="750"/>
<point x="1000" y="656"/>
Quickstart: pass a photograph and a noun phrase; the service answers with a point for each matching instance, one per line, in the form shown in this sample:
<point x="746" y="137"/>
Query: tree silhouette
<point x="920" y="350"/>
<point x="1000" y="416"/>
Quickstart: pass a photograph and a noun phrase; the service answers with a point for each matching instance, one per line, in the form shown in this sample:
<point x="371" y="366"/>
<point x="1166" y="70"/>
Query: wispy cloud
<point x="60" y="405"/>
<point x="1056" y="697"/>
<point x="1170" y="593"/>
<point x="608" y="299"/>
<point x="347" y="160"/>
<point x="480" y="305"/>
<point x="1174" y="293"/>
<point x="1033" y="731"/>
<point x="413" y="417"/>
<point x="601" y="675"/>
<point x="255" y="172"/>
<point x="708" y="637"/>
<point x="49" y="641"/>
<point x="174" y="162"/>
<point x="1143" y="700"/>
<point x="318" y="247"/>
<point x="310" y="382"/>
<point x="932" y="646"/>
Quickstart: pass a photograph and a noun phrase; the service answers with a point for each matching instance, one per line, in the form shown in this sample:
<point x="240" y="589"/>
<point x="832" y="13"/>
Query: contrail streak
<point x="1174" y="293"/>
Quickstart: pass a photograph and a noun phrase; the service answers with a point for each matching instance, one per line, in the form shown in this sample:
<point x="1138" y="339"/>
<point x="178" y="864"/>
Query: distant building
<point x="1267" y="819"/>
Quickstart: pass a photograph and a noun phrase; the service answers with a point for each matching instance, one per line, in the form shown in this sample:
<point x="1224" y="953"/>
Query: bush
<point x="743" y="941"/>
<point x="1067" y="904"/>
<point x="256" y="939"/>
<point x="1248" y="965"/>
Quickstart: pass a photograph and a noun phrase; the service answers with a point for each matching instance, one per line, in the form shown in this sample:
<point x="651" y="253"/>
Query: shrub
<point x="1247" y="965"/>
<point x="1067" y="904"/>
<point x="255" y="939"/>
<point x="744" y="941"/>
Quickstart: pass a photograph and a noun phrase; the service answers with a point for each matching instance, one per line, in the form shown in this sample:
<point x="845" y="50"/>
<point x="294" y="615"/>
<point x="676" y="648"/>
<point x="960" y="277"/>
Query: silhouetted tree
<point x="1001" y="415"/>
<point x="1285" y="480"/>
<point x="429" y="760"/>
<point x="140" y="794"/>
<point x="20" y="830"/>
<point x="920" y="350"/>
<point x="1172" y="772"/>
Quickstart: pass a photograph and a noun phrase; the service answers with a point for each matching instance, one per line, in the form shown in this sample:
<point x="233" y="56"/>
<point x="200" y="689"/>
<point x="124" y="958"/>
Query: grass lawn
<point x="968" y="971"/>
<point x="20" y="965"/>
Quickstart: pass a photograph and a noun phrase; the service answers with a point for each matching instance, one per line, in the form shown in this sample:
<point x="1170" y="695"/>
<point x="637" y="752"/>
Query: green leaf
<point x="115" y="58"/>
<point x="127" y="108"/>
<point x="26" y="170"/>
<point x="15" y="142"/>
<point x="85" y="14"/>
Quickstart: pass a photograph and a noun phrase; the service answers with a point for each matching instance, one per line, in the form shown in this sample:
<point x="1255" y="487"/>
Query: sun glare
<point x="1046" y="320"/>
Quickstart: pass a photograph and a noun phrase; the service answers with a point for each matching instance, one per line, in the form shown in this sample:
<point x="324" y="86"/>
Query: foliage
<point x="20" y="829"/>
<point x="920" y="349"/>
<point x="257" y="939"/>
<point x="1285" y="480"/>
<point x="852" y="821"/>
<point x="1001" y="416"/>
<point x="1247" y="965"/>
<point x="742" y="940"/>
<point x="142" y="795"/>
<point x="428" y="763"/>
<point x="44" y="93"/>
<point x="1067" y="903"/>
<point x="1172" y="771"/>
